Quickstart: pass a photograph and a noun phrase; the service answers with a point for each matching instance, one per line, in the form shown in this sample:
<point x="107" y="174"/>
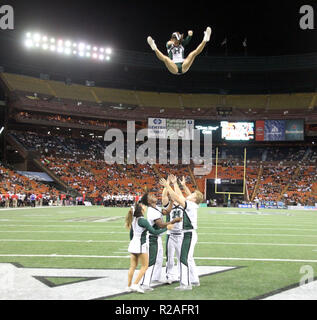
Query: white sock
<point x="207" y="34"/>
<point x="152" y="44"/>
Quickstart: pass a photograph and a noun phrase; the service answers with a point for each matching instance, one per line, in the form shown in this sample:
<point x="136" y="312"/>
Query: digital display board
<point x="237" y="131"/>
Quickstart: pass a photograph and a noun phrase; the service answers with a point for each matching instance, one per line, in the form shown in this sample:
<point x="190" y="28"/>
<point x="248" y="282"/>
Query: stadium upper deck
<point x="35" y="94"/>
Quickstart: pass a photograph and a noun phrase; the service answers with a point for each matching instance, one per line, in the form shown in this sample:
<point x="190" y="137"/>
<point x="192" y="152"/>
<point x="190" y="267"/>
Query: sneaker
<point x="152" y="44"/>
<point x="128" y="289"/>
<point x="157" y="282"/>
<point x="146" y="288"/>
<point x="195" y="284"/>
<point x="169" y="281"/>
<point x="207" y="34"/>
<point x="183" y="288"/>
<point x="136" y="288"/>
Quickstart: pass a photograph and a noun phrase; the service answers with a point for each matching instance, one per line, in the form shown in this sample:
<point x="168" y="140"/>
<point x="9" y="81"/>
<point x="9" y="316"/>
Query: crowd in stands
<point x="79" y="162"/>
<point x="18" y="191"/>
<point x="70" y="120"/>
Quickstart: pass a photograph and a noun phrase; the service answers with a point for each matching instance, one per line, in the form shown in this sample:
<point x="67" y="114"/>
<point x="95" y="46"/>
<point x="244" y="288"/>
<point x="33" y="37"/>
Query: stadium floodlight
<point x="29" y="43"/>
<point x="37" y="37"/>
<point x="67" y="46"/>
<point x="81" y="46"/>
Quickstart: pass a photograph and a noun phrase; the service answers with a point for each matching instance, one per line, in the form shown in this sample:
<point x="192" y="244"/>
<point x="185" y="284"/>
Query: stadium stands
<point x="172" y="101"/>
<point x="38" y="106"/>
<point x="13" y="184"/>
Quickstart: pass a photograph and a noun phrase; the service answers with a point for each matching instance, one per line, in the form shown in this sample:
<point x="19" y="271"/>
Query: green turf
<point x="227" y="237"/>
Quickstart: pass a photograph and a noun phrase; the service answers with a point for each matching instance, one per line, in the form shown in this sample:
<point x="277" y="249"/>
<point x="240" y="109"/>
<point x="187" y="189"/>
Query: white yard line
<point x="199" y="233"/>
<point x="79" y="241"/>
<point x="200" y="243"/>
<point x="106" y="225"/>
<point x="127" y="257"/>
<point x="263" y="244"/>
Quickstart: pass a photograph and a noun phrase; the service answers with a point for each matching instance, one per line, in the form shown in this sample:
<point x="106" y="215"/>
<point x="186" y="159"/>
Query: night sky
<point x="271" y="27"/>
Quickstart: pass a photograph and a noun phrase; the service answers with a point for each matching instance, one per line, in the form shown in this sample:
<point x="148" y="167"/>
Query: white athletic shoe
<point x="207" y="34"/>
<point x="157" y="282"/>
<point x="183" y="288"/>
<point x="152" y="44"/>
<point x="128" y="289"/>
<point x="169" y="281"/>
<point x="136" y="288"/>
<point x="195" y="284"/>
<point x="146" y="288"/>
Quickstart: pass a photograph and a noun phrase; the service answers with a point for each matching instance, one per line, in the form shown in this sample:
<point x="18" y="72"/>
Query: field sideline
<point x="267" y="248"/>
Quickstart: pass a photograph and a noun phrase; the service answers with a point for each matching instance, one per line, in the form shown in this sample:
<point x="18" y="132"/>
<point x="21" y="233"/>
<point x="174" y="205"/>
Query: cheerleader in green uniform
<point x="138" y="247"/>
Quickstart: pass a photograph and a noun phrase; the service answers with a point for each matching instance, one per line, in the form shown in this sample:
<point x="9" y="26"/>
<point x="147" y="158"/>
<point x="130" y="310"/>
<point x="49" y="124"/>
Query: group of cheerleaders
<point x="180" y="211"/>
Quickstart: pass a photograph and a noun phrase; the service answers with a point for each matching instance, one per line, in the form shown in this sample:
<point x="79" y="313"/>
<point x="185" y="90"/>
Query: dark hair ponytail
<point x="144" y="200"/>
<point x="138" y="211"/>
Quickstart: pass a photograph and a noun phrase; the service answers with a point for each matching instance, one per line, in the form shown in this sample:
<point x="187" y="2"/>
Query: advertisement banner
<point x="294" y="130"/>
<point x="157" y="128"/>
<point x="245" y="206"/>
<point x="190" y="126"/>
<point x="274" y="130"/>
<point x="259" y="133"/>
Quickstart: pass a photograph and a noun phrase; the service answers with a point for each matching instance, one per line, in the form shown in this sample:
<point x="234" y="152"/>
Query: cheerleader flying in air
<point x="175" y="61"/>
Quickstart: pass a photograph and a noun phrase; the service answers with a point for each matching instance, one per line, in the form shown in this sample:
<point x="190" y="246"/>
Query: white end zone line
<point x="128" y="257"/>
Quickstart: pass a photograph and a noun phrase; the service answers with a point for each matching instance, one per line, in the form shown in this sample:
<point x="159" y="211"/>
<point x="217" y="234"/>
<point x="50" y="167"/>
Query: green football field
<point x="267" y="249"/>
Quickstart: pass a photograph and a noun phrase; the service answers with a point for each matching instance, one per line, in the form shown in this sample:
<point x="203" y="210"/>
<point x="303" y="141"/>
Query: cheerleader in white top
<point x="138" y="243"/>
<point x="176" y="62"/>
